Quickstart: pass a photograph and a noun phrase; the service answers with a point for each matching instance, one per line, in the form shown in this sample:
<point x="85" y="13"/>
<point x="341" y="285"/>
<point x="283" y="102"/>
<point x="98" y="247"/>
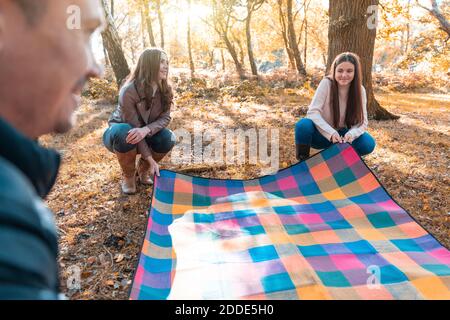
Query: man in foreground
<point x="45" y="60"/>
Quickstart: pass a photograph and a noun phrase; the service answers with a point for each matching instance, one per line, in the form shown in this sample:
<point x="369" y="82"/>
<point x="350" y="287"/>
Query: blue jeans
<point x="307" y="133"/>
<point x="115" y="136"/>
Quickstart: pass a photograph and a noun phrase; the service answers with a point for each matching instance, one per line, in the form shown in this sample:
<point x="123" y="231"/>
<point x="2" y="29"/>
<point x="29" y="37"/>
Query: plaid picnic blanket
<point x="324" y="228"/>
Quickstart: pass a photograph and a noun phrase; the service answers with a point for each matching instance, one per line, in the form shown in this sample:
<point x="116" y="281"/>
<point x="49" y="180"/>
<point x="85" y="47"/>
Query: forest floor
<point x="101" y="230"/>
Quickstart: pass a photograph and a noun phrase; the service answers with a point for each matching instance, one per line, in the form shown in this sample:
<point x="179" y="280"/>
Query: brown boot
<point x="144" y="173"/>
<point x="158" y="156"/>
<point x="127" y="162"/>
<point x="302" y="151"/>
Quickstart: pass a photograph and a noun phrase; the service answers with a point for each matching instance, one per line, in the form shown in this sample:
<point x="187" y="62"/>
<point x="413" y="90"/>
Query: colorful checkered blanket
<point x="324" y="228"/>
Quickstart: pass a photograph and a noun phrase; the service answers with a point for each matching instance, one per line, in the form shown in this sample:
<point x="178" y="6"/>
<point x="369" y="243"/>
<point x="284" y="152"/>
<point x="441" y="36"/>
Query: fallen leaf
<point x="109" y="283"/>
<point x="119" y="257"/>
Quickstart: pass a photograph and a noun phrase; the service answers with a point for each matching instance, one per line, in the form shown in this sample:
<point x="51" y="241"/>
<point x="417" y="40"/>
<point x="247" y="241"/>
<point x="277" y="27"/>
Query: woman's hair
<point x="354" y="112"/>
<point x="147" y="71"/>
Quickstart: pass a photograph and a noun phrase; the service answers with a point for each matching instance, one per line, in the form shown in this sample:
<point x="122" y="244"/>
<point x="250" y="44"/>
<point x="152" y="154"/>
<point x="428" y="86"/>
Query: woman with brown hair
<point x="338" y="112"/>
<point x="138" y="125"/>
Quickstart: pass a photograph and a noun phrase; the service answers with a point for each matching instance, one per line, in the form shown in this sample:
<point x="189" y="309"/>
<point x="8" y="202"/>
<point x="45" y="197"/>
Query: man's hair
<point x="32" y="9"/>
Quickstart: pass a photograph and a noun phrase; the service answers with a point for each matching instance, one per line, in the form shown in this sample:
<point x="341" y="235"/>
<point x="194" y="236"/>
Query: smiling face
<point x="45" y="65"/>
<point x="163" y="67"/>
<point x="344" y="73"/>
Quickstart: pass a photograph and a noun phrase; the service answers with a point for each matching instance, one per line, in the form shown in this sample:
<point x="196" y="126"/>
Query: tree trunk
<point x="107" y="63"/>
<point x="211" y="59"/>
<point x="223" y="60"/>
<point x="144" y="45"/>
<point x="241" y="49"/>
<point x="112" y="8"/>
<point x="306" y="33"/>
<point x="234" y="56"/>
<point x="132" y="47"/>
<point x="191" y="61"/>
<point x="112" y="43"/>
<point x="222" y="13"/>
<point x="284" y="35"/>
<point x="161" y="23"/>
<point x="248" y="34"/>
<point x="293" y="41"/>
<point x="148" y="22"/>
<point x="408" y="28"/>
<point x="349" y="30"/>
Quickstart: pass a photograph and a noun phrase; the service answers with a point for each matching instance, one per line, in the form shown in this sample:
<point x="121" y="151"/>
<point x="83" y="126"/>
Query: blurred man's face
<point x="44" y="66"/>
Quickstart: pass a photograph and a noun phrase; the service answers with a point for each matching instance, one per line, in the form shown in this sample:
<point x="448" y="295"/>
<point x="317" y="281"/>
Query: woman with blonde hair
<point x="338" y="111"/>
<point x="139" y="123"/>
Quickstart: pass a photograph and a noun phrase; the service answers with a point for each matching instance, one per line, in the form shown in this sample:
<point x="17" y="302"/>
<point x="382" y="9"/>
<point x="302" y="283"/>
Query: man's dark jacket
<point x="28" y="238"/>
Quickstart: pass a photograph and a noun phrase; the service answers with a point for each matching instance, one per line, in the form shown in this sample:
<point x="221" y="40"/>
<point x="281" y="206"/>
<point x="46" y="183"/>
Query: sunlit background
<point x="406" y="36"/>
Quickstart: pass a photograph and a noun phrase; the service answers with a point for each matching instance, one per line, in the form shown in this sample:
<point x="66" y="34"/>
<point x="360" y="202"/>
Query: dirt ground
<point x="101" y="230"/>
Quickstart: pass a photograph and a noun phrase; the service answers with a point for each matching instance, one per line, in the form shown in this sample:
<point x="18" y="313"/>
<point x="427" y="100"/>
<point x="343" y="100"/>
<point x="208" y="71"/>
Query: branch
<point x="435" y="12"/>
<point x="121" y="22"/>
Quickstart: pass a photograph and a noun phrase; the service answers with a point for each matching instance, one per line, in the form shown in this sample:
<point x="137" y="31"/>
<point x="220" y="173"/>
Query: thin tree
<point x="407" y="31"/>
<point x="161" y="22"/>
<point x="221" y="23"/>
<point x="112" y="43"/>
<point x="352" y="27"/>
<point x="111" y="4"/>
<point x="251" y="6"/>
<point x="148" y="21"/>
<point x="293" y="40"/>
<point x="305" y="27"/>
<point x="223" y="60"/>
<point x="144" y="44"/>
<point x="284" y="33"/>
<point x="189" y="42"/>
<point x="211" y="58"/>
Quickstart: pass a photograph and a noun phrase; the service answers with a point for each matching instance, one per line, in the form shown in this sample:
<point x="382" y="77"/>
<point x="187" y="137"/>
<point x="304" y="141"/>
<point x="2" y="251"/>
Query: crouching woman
<point x="139" y="123"/>
<point x="338" y="111"/>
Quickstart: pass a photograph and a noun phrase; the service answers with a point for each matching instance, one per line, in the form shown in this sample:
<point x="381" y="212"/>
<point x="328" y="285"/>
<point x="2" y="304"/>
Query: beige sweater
<point x="319" y="111"/>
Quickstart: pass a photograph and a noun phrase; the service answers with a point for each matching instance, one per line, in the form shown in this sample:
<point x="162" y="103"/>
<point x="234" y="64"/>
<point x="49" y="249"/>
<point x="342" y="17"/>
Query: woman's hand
<point x="335" y="138"/>
<point x="348" y="137"/>
<point x="154" y="166"/>
<point x="136" y="135"/>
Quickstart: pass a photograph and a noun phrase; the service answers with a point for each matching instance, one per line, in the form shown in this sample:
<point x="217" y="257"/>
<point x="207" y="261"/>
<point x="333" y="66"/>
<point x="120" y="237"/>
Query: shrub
<point x="101" y="89"/>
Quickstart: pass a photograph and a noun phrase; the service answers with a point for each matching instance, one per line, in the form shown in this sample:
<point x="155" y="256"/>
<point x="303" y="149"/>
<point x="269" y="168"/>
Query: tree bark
<point x="293" y="41"/>
<point x="252" y="6"/>
<point x="348" y="31"/>
<point x="161" y="23"/>
<point x="305" y="10"/>
<point x="211" y="59"/>
<point x="234" y="56"/>
<point x="222" y="11"/>
<point x="112" y="43"/>
<point x="148" y="22"/>
<point x="284" y="35"/>
<point x="241" y="53"/>
<point x="112" y="8"/>
<point x="144" y="45"/>
<point x="223" y="60"/>
<point x="408" y="28"/>
<point x="191" y="60"/>
<point x="248" y="35"/>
